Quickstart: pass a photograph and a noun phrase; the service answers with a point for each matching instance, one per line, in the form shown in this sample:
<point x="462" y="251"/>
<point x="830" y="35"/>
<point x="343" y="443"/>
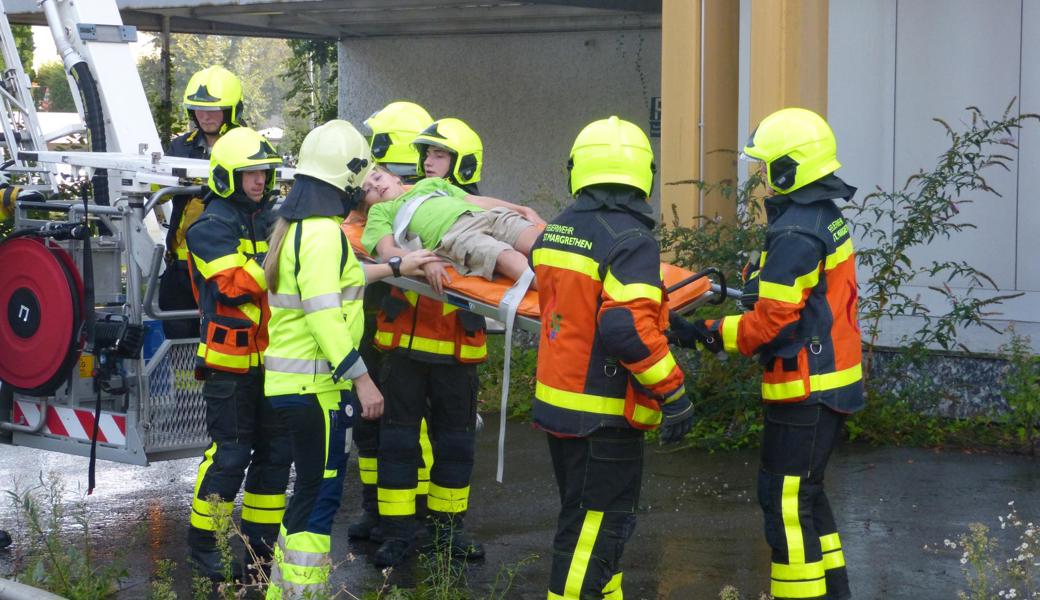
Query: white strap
<point x="507" y="314"/>
<point x="403" y="218"/>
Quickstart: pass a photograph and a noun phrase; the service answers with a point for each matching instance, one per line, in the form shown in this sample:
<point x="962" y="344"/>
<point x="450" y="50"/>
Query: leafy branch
<point x="892" y="224"/>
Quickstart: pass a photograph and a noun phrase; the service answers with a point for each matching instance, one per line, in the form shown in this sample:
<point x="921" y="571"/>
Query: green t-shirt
<point x="431" y="220"/>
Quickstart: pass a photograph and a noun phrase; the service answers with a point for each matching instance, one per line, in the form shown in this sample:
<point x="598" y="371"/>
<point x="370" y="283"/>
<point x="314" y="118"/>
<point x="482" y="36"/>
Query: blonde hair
<point x="281" y="226"/>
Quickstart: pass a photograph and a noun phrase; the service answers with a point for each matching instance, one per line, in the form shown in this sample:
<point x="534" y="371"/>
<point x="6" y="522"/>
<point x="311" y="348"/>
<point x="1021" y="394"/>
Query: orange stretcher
<point x="685" y="297"/>
<point x="500" y="300"/>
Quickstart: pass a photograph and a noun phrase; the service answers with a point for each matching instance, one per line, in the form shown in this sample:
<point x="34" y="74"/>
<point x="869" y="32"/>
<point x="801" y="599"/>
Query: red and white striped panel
<point x="75" y="423"/>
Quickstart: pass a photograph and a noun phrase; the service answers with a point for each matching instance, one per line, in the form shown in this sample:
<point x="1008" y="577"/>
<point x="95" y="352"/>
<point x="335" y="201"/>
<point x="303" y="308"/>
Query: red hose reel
<point x="41" y="315"/>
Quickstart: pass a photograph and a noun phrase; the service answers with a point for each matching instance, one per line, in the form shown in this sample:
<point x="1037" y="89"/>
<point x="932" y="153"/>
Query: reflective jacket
<point x="603" y="359"/>
<point x="804" y="325"/>
<point x="226" y="247"/>
<point x="428" y="330"/>
<point x="316" y="311"/>
<point x="186" y="209"/>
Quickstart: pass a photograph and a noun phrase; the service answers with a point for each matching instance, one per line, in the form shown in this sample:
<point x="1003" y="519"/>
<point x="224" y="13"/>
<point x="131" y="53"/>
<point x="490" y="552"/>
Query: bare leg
<point x="512" y="264"/>
<point x="526" y="239"/>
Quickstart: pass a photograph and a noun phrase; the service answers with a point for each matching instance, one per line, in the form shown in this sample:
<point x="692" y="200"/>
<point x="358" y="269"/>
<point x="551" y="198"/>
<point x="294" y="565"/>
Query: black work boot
<point x="205" y="558"/>
<point x="399" y="541"/>
<point x="448" y="535"/>
<point x="366" y="528"/>
<point x="259" y="552"/>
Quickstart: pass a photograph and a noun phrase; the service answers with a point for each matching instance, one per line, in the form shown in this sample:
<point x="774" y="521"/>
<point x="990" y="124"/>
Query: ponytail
<point x="281" y="226"/>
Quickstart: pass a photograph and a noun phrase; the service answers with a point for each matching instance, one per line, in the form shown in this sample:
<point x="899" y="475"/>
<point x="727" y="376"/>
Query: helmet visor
<point x="205" y="107"/>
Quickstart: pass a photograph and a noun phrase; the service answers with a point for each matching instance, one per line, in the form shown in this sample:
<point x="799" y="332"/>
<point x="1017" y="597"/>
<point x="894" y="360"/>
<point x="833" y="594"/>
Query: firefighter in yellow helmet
<point x="213" y="101"/>
<point x="605" y="371"/>
<point x="226" y="246"/>
<point x="450" y="149"/>
<point x="804" y="329"/>
<point x="433" y="350"/>
<point x="315" y="377"/>
<point x="393" y="128"/>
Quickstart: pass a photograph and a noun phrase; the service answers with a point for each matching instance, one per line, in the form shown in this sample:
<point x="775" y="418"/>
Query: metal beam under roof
<point x="372" y="18"/>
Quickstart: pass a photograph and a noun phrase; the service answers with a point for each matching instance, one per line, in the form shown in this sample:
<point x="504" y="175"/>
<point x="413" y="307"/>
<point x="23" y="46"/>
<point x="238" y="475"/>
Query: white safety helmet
<point x="337" y="154"/>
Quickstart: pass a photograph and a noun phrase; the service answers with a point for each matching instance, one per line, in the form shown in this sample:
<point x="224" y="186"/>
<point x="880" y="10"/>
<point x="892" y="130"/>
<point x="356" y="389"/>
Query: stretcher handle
<point x="723" y="290"/>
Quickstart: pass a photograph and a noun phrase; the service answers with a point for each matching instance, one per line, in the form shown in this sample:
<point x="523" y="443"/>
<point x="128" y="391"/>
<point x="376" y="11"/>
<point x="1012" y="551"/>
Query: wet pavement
<point x="700" y="529"/>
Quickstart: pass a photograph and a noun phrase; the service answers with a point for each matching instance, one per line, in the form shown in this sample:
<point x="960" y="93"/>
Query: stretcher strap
<point x="507" y="314"/>
<point x="403" y="218"/>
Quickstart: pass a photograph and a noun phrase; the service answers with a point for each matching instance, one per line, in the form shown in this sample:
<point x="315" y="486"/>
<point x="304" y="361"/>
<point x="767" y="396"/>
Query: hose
<point x="94" y="117"/>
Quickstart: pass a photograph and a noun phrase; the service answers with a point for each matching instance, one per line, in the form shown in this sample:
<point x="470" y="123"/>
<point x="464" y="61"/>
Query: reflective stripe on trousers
<point x="319" y="426"/>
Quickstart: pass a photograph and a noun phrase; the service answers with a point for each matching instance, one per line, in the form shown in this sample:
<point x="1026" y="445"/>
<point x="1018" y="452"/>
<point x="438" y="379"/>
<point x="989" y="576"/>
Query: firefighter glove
<point x="677" y="420"/>
<point x="687" y="334"/>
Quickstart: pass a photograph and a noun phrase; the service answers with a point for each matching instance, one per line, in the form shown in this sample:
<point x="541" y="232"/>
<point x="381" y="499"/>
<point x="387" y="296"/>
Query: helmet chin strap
<point x="351" y="198"/>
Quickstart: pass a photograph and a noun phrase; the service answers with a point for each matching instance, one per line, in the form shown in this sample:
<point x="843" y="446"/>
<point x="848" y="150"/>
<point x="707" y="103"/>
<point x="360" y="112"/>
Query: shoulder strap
<point x="404" y="217"/>
<point x="297" y="240"/>
<point x="342" y="253"/>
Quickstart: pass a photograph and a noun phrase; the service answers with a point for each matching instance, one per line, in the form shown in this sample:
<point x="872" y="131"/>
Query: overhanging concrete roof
<point x="372" y="18"/>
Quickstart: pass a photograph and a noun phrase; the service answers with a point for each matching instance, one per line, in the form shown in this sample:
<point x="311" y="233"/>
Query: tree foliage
<point x="312" y="98"/>
<point x="263" y="87"/>
<point x="23" y="41"/>
<point x="54" y="83"/>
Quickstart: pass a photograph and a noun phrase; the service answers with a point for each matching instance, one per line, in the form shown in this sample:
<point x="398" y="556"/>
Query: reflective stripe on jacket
<point x="430" y="331"/>
<point x="317" y="317"/>
<point x="226" y="246"/>
<point x="603" y="359"/>
<point x="804" y="326"/>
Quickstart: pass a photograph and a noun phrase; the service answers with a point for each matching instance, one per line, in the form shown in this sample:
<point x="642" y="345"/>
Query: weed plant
<point x="59" y="558"/>
<point x="998" y="564"/>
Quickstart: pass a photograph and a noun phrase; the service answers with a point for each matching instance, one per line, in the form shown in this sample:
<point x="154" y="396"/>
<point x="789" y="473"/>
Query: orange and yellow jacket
<point x="428" y="330"/>
<point x="603" y="360"/>
<point x="804" y="325"/>
<point x="226" y="247"/>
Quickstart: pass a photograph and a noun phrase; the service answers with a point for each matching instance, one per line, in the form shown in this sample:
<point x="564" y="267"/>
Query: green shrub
<point x="1021" y="389"/>
<point x="521" y="375"/>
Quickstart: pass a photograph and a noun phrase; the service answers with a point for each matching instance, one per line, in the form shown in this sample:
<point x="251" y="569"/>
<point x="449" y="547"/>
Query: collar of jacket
<point x="311" y="197"/>
<point x="829" y="187"/>
<point x="615" y="197"/>
<point x="239" y="201"/>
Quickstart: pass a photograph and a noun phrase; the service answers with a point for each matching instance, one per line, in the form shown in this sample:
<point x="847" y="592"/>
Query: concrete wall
<point x="526" y="95"/>
<point x="894" y="65"/>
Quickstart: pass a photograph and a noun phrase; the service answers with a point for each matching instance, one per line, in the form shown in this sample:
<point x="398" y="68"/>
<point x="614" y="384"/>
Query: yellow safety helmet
<point x="240" y="149"/>
<point x="393" y="128"/>
<point x="458" y="138"/>
<point x="337" y="154"/>
<point x="797" y="147"/>
<point x="612" y="151"/>
<point x="215" y="88"/>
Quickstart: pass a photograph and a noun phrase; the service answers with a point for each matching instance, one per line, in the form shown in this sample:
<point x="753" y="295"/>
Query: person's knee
<point x="398" y="444"/>
<point x="455" y="447"/>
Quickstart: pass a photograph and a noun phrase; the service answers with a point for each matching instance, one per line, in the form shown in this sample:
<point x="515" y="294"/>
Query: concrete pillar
<point x="788" y="56"/>
<point x="721" y="82"/>
<point x="680" y="162"/>
<point x="699" y="94"/>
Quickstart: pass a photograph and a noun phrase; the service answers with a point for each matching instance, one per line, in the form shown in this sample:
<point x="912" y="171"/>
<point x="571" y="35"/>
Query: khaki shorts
<point x="474" y="242"/>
